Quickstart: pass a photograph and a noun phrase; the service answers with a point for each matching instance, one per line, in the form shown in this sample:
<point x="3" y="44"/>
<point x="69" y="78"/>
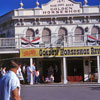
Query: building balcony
<point x="19" y="42"/>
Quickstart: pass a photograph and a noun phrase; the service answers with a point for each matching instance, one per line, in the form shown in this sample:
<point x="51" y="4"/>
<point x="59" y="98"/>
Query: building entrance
<point x="75" y="70"/>
<point x="93" y="75"/>
<point x="52" y="70"/>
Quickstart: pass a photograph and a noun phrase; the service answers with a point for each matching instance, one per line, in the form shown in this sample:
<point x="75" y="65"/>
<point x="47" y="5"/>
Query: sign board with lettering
<point x="56" y="7"/>
<point x="59" y="52"/>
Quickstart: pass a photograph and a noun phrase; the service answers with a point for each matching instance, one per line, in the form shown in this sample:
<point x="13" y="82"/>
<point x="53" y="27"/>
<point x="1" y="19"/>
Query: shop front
<point x="72" y="64"/>
<point x="75" y="70"/>
<point x="50" y="69"/>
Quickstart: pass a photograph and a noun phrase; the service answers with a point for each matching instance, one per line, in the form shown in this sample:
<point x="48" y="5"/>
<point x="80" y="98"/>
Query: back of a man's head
<point x="13" y="64"/>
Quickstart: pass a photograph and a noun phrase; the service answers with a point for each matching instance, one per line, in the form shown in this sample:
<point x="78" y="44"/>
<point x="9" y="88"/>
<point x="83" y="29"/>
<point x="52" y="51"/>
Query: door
<point x="75" y="70"/>
<point x="52" y="67"/>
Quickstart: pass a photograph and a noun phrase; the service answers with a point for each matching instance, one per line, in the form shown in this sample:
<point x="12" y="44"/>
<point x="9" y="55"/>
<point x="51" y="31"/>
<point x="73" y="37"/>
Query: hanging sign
<point x="59" y="52"/>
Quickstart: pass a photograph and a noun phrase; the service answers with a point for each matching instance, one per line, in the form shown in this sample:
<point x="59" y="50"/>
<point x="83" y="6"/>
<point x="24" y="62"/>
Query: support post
<point x="98" y="66"/>
<point x="31" y="81"/>
<point x="65" y="72"/>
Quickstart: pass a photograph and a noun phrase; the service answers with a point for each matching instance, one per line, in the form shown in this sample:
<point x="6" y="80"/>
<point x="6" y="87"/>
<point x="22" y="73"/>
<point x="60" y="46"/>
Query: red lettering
<point x="26" y="53"/>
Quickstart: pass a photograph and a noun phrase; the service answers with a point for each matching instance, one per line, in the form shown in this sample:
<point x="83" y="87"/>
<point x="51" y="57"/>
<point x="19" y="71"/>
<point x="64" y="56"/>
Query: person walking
<point x="9" y="84"/>
<point x="4" y="71"/>
<point x="20" y="75"/>
<point x="33" y="72"/>
<point x="37" y="76"/>
<point x="29" y="71"/>
<point x="50" y="72"/>
<point x="1" y="71"/>
<point x="24" y="71"/>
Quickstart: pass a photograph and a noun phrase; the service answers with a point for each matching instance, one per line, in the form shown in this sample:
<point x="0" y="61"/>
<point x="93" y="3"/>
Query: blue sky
<point x="9" y="5"/>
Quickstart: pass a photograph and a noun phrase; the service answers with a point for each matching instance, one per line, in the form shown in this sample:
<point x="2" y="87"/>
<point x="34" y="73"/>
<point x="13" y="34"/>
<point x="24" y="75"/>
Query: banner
<point x="98" y="41"/>
<point x="26" y="43"/>
<point x="60" y="52"/>
<point x="91" y="40"/>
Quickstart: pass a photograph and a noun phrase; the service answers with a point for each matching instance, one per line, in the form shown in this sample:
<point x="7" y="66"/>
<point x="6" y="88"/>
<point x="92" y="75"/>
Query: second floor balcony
<point x="19" y="42"/>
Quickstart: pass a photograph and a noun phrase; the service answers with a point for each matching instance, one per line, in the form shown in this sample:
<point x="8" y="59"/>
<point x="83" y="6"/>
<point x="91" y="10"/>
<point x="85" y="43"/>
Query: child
<point x="37" y="76"/>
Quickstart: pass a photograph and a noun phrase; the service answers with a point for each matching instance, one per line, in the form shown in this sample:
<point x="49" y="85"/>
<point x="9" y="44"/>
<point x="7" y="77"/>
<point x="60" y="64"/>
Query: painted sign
<point x="59" y="52"/>
<point x="55" y="7"/>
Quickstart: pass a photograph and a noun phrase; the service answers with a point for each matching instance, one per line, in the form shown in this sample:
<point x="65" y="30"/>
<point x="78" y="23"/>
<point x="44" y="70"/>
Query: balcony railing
<point x="7" y="43"/>
<point x="41" y="42"/>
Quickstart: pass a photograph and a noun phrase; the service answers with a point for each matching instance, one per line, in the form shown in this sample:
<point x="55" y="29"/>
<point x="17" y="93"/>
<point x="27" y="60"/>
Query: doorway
<point x="52" y="70"/>
<point x="75" y="70"/>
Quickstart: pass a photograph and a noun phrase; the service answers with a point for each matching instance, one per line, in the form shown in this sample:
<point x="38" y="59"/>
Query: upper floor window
<point x="79" y="34"/>
<point x="46" y="35"/>
<point x="95" y="32"/>
<point x="62" y="35"/>
<point x="30" y="33"/>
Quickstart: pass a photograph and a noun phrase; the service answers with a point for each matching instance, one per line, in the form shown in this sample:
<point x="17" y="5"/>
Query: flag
<point x="91" y="40"/>
<point x="26" y="43"/>
<point x="98" y="41"/>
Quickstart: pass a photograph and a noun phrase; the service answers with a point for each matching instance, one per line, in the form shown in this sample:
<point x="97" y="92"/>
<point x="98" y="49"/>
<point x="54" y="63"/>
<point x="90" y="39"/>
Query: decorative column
<point x="65" y="72"/>
<point x="31" y="81"/>
<point x="98" y="66"/>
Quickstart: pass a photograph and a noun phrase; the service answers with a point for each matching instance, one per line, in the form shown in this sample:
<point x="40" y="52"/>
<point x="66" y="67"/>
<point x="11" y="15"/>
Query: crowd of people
<point x="24" y="73"/>
<point x="12" y="76"/>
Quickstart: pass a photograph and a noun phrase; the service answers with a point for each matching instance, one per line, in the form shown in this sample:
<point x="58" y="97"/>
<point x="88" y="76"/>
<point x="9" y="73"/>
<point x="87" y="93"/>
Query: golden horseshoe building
<point x="62" y="34"/>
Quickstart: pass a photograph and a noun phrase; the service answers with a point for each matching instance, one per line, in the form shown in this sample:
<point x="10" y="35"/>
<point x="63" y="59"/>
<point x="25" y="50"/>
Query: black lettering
<point x="40" y="52"/>
<point x="43" y="52"/>
<point x="97" y="51"/>
<point x="49" y="52"/>
<point x="74" y="52"/>
<point x="56" y="52"/>
<point x="81" y="52"/>
<point x="78" y="52"/>
<point x="88" y="51"/>
<point x="61" y="52"/>
<point x="92" y="50"/>
<point x="46" y="53"/>
<point x="65" y="52"/>
<point x="68" y="52"/>
<point x="84" y="51"/>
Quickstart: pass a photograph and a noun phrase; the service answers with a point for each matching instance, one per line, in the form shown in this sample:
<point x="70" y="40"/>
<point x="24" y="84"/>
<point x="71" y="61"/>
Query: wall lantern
<point x="86" y="29"/>
<point x="37" y="31"/>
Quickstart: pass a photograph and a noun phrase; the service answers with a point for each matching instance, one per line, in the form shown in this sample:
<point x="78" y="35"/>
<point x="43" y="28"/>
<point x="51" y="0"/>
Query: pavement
<point x="65" y="85"/>
<point x="70" y="91"/>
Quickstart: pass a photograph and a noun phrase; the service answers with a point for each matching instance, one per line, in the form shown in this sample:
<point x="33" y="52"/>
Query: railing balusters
<point x="54" y="41"/>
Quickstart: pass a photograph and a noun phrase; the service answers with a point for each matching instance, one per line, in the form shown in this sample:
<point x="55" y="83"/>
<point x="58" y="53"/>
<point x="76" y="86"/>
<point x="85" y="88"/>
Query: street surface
<point x="60" y="92"/>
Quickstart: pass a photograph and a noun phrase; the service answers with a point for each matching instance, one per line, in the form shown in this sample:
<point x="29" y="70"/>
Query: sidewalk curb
<point x="59" y="85"/>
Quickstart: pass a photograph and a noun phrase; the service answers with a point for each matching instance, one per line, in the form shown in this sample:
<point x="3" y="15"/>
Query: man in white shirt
<point x="10" y="85"/>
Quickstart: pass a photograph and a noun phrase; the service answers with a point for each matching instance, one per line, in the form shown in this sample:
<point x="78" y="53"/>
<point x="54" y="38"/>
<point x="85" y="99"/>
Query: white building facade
<point x="61" y="33"/>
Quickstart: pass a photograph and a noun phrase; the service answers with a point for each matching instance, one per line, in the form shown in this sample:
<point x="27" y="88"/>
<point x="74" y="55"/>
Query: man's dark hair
<point x="13" y="64"/>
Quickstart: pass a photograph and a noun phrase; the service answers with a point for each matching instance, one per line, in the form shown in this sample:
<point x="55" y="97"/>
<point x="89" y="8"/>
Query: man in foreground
<point x="10" y="85"/>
